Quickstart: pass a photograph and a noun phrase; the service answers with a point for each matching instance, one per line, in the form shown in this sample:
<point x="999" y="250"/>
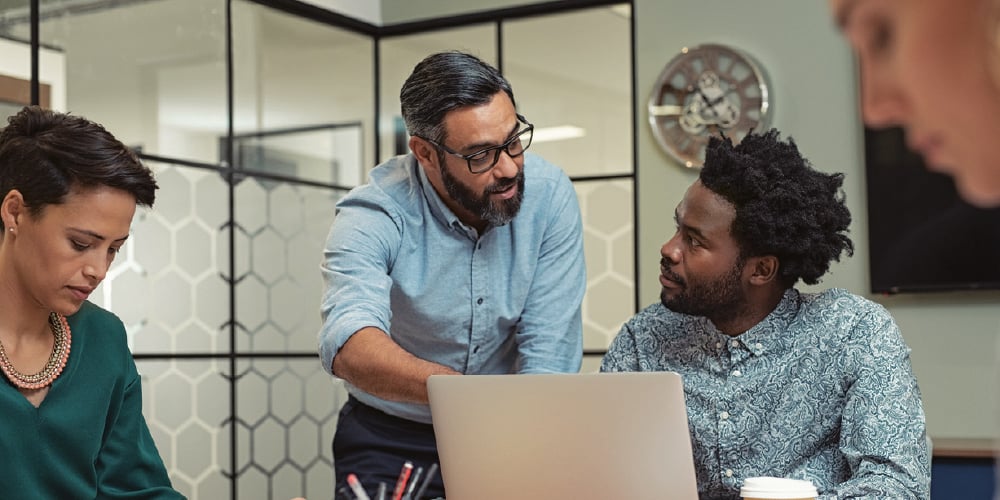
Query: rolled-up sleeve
<point x="358" y="255"/>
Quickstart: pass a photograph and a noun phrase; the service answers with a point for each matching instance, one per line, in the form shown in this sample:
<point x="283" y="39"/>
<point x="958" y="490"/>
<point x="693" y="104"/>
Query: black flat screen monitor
<point x="923" y="237"/>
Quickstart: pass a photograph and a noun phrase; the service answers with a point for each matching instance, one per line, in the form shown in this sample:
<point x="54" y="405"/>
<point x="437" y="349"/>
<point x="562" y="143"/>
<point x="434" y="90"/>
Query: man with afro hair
<point x="778" y="382"/>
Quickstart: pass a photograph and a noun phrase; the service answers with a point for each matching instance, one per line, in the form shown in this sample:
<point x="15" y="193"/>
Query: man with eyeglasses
<point x="463" y="257"/>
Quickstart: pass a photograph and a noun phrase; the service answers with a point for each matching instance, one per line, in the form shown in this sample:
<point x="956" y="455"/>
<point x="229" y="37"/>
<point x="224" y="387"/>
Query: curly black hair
<point x="783" y="206"/>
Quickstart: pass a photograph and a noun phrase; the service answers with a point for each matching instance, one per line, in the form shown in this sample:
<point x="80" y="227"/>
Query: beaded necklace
<point x="55" y="365"/>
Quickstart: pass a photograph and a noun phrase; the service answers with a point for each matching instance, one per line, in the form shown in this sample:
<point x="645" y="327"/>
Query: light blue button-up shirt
<point x="820" y="390"/>
<point x="506" y="301"/>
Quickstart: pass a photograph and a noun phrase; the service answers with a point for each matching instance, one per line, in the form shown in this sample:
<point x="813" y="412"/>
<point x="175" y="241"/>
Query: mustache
<point x="505" y="184"/>
<point x="667" y="273"/>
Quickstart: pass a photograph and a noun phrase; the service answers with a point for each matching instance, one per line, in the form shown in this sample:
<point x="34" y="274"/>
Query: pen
<point x="356" y="487"/>
<point x="404" y="475"/>
<point x="343" y="491"/>
<point x="380" y="495"/>
<point x="413" y="483"/>
<point x="427" y="481"/>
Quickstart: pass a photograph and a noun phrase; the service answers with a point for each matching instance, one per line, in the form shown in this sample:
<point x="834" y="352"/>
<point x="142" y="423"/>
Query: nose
<point x="882" y="99"/>
<point x="96" y="268"/>
<point x="507" y="166"/>
<point x="670" y="250"/>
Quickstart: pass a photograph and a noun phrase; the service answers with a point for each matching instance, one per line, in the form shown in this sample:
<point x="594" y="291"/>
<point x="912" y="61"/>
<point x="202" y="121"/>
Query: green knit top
<point x="88" y="438"/>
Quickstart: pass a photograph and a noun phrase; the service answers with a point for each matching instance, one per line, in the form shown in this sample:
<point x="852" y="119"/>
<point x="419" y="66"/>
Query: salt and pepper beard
<point x="496" y="213"/>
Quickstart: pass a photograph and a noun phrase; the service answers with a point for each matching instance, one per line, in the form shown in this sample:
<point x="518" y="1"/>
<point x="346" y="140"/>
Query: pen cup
<point x="777" y="488"/>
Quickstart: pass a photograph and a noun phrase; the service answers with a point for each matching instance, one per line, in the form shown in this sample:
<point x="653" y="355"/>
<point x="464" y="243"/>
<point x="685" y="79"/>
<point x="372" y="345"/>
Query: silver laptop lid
<point x="567" y="436"/>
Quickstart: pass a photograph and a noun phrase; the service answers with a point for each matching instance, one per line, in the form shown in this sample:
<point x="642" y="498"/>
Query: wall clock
<point x="703" y="91"/>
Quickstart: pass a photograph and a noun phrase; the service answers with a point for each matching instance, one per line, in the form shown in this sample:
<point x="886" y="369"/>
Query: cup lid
<point x="777" y="487"/>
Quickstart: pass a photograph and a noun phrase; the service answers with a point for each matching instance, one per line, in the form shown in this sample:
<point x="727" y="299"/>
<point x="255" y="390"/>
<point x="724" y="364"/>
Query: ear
<point x="425" y="152"/>
<point x="763" y="269"/>
<point x="12" y="208"/>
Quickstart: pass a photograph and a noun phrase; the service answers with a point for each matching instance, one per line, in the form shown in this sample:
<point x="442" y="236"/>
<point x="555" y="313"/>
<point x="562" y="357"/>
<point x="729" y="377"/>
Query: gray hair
<point x="443" y="82"/>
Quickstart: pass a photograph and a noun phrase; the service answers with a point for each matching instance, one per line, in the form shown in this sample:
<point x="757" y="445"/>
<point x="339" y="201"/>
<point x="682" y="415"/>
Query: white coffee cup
<point x="777" y="488"/>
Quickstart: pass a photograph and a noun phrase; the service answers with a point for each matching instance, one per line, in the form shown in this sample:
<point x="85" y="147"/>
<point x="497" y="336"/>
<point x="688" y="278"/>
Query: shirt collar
<point x="769" y="332"/>
<point x="773" y="331"/>
<point x="437" y="205"/>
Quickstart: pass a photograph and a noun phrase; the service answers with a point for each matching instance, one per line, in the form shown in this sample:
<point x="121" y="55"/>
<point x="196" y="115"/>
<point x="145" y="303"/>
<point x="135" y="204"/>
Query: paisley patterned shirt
<point x="820" y="390"/>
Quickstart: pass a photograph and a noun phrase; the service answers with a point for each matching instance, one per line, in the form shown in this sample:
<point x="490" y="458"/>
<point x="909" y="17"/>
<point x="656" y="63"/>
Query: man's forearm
<point x="371" y="361"/>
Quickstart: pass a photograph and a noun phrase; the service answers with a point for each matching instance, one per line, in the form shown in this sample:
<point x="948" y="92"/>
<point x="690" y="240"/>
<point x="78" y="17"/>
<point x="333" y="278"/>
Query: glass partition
<point x="609" y="247"/>
<point x="575" y="87"/>
<point x="185" y="403"/>
<point x="219" y="284"/>
<point x="152" y="72"/>
<point x="281" y="228"/>
<point x="168" y="284"/>
<point x="398" y="56"/>
<point x="303" y="96"/>
<point x="15" y="64"/>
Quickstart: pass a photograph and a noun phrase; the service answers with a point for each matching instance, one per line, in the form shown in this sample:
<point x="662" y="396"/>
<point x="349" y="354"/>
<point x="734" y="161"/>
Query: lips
<point x="930" y="148"/>
<point x="505" y="192"/>
<point x="669" y="279"/>
<point x="81" y="292"/>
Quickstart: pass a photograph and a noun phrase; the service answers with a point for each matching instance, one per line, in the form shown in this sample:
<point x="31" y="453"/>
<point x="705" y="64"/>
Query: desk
<point x="963" y="468"/>
<point x="963" y="447"/>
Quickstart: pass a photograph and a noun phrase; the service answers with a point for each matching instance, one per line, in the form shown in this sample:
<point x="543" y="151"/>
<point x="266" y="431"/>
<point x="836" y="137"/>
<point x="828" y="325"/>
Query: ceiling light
<point x="548" y="134"/>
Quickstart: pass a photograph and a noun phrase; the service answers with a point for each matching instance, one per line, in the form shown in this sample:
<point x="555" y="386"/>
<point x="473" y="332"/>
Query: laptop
<point x="563" y="436"/>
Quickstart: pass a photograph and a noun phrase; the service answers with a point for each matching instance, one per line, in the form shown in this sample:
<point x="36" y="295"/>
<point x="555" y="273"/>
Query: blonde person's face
<point x="62" y="254"/>
<point x="924" y="66"/>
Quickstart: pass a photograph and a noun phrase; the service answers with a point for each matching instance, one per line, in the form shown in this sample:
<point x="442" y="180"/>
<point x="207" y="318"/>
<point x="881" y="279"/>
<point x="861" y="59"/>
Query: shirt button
<point x="724" y="415"/>
<point x="718" y="345"/>
<point x="737" y="373"/>
<point x="729" y="473"/>
<point x="734" y="343"/>
<point x="759" y="346"/>
<point x="480" y="301"/>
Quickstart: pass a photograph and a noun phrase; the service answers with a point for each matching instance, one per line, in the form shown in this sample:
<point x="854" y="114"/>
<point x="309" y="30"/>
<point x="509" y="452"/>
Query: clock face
<point x="704" y="91"/>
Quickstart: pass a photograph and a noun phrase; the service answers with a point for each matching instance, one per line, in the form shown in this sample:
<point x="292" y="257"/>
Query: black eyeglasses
<point x="482" y="161"/>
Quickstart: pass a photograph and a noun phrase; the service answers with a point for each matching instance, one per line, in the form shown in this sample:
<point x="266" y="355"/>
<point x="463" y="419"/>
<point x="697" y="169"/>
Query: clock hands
<point x="710" y="106"/>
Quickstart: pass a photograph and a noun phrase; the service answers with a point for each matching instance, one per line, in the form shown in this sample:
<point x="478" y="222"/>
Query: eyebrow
<point x="97" y="236"/>
<point x="691" y="229"/>
<point x="475" y="148"/>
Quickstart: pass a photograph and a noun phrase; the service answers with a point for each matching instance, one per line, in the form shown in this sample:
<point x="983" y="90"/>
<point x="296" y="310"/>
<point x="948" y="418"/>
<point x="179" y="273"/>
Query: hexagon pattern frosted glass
<point x="283" y="232"/>
<point x="186" y="404"/>
<point x="285" y="416"/>
<point x="286" y="413"/>
<point x="168" y="286"/>
<point x="608" y="234"/>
